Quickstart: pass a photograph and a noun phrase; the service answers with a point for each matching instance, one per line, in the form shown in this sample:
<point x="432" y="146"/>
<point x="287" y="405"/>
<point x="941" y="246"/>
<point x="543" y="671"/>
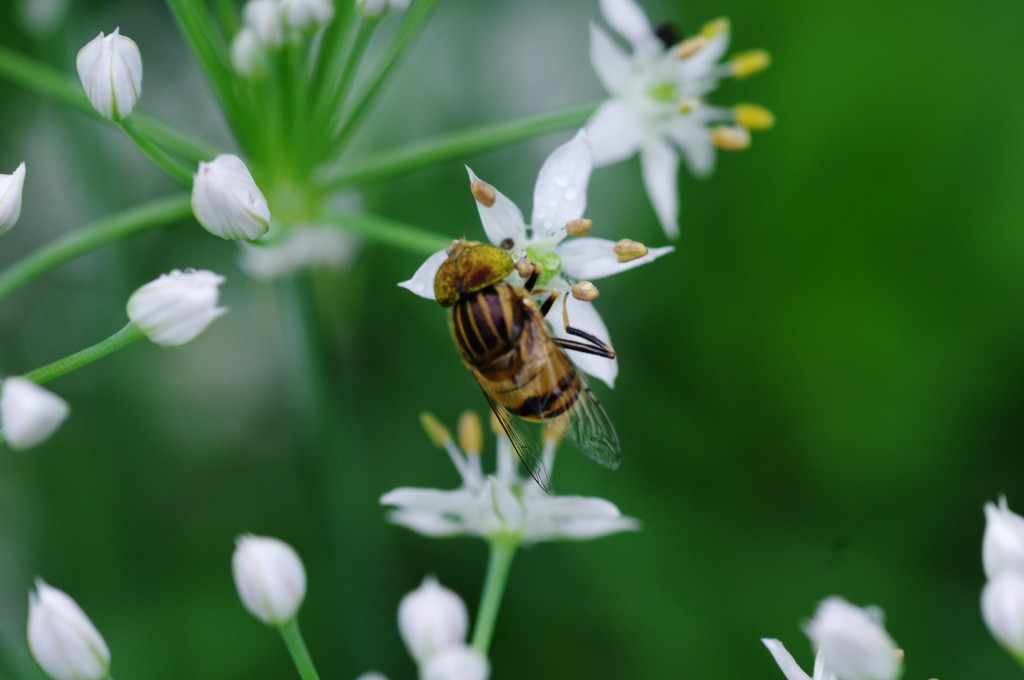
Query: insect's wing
<point x="524" y="442"/>
<point x="590" y="430"/>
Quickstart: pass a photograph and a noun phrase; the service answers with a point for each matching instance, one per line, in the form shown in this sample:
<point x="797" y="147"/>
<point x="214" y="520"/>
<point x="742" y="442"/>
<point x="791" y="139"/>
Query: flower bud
<point x="226" y="200"/>
<point x="10" y="197"/>
<point x="248" y="55"/>
<point x="431" y="618"/>
<point x="375" y="9"/>
<point x="458" y="662"/>
<point x="29" y="414"/>
<point x="176" y="307"/>
<point x="307" y="15"/>
<point x="1002" y="547"/>
<point x="270" y="578"/>
<point x="110" y="68"/>
<point x="264" y="18"/>
<point x="62" y="639"/>
<point x="1002" y="608"/>
<point x="853" y="642"/>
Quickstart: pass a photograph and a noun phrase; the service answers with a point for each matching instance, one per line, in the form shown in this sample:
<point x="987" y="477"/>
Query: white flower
<point x="372" y="675"/>
<point x="270" y="578"/>
<point x="1002" y="547"/>
<point x="110" y="68"/>
<point x="176" y="307"/>
<point x="226" y="200"/>
<point x="789" y="666"/>
<point x="248" y="55"/>
<point x="29" y="414"/>
<point x="852" y="641"/>
<point x="431" y="618"/>
<point x="10" y="197"/>
<point x="376" y="9"/>
<point x="1002" y="608"/>
<point x="502" y="505"/>
<point x="302" y="247"/>
<point x="264" y="18"/>
<point x="657" y="102"/>
<point x="458" y="662"/>
<point x="62" y="639"/>
<point x="307" y="15"/>
<point x="559" y="199"/>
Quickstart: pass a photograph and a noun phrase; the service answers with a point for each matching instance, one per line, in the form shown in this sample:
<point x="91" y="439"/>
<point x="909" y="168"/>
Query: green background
<point x="818" y="390"/>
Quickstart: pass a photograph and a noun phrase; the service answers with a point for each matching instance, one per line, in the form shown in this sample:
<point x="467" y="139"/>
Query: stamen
<point x="471" y="435"/>
<point x="496" y="427"/>
<point x="527" y="267"/>
<point x="483" y="192"/>
<point x="715" y="27"/>
<point x="585" y="291"/>
<point x="688" y="104"/>
<point x="628" y="250"/>
<point x="748" y="63"/>
<point x="730" y="137"/>
<point x="437" y="432"/>
<point x="753" y="117"/>
<point x="690" y="46"/>
<point x="580" y="227"/>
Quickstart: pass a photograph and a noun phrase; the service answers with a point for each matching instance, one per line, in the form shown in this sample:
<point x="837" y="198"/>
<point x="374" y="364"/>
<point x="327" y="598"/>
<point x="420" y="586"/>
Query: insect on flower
<point x="523" y="371"/>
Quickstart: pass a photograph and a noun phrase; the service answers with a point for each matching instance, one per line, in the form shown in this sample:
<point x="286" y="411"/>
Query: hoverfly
<point x="522" y="370"/>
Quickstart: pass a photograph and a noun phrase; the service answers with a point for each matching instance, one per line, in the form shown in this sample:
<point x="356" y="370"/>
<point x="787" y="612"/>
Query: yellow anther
<point x="627" y="250"/>
<point x="715" y="27"/>
<point x="437" y="432"/>
<point x="690" y="46"/>
<point x="527" y="267"/>
<point x="471" y="434"/>
<point x="580" y="227"/>
<point x="730" y="137"/>
<point x="748" y="63"/>
<point x="496" y="427"/>
<point x="688" y="104"/>
<point x="585" y="291"/>
<point x="483" y="192"/>
<point x="753" y="117"/>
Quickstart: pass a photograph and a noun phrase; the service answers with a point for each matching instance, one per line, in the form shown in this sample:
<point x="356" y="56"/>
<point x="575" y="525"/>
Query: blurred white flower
<point x="264" y="18"/>
<point x="372" y="675"/>
<point x="270" y="578"/>
<point x="226" y="200"/>
<point x="248" y="55"/>
<point x="1002" y="547"/>
<point x="1002" y="608"/>
<point x="110" y="68"/>
<point x="10" y="197"/>
<point x="41" y="18"/>
<point x="458" y="662"/>
<point x="302" y="247"/>
<point x="176" y="307"/>
<point x="559" y="199"/>
<point x="503" y="505"/>
<point x="657" y="101"/>
<point x="431" y="618"/>
<point x="789" y="666"/>
<point x="853" y="642"/>
<point x="29" y="414"/>
<point x="307" y="15"/>
<point x="62" y="639"/>
<point x="376" y="9"/>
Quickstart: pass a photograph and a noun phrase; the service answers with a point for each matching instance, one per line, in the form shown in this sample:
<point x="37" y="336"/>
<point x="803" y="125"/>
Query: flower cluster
<point x="1002" y="556"/>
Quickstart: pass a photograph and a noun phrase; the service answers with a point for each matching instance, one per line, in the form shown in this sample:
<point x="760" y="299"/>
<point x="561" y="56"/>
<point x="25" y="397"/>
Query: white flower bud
<point x="372" y="675"/>
<point x="378" y="8"/>
<point x="10" y="197"/>
<point x="1002" y="608"/>
<point x="1002" y="547"/>
<point x="853" y="642"/>
<point x="226" y="200"/>
<point x="111" y="71"/>
<point x="307" y="15"/>
<point x="62" y="639"/>
<point x="176" y="307"/>
<point x="431" y="618"/>
<point x="247" y="54"/>
<point x="29" y="414"/>
<point x="270" y="578"/>
<point x="458" y="662"/>
<point x="264" y="18"/>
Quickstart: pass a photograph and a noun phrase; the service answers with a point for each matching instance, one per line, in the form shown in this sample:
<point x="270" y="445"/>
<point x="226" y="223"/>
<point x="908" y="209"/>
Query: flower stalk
<point x="127" y="335"/>
<point x="296" y="645"/>
<point x="499" y="563"/>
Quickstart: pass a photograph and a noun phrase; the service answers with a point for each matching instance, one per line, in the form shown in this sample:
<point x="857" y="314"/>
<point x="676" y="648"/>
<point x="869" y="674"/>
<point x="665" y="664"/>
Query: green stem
<point x="456" y="145"/>
<point x="91" y="236"/>
<point x="297" y="648"/>
<point x="498" y="566"/>
<point x="129" y="334"/>
<point x="148" y="146"/>
<point x="329" y="105"/>
<point x="389" y="232"/>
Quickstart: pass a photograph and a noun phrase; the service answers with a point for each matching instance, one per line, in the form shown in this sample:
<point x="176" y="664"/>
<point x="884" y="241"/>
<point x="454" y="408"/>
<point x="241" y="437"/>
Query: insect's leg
<point x="593" y="345"/>
<point x="545" y="306"/>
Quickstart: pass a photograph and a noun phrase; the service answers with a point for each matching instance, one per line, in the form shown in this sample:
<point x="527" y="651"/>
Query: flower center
<point x="551" y="264"/>
<point x="664" y="92"/>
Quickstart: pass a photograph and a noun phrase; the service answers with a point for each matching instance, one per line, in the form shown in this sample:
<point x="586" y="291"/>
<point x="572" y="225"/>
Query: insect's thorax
<point x="487" y="325"/>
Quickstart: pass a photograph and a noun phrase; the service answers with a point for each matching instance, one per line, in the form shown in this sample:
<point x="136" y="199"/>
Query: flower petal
<point x="785" y="660"/>
<point x="660" y="165"/>
<point x="615" y="132"/>
<point x="434" y="525"/>
<point x="503" y="220"/>
<point x="582" y="315"/>
<point x="422" y="282"/>
<point x="594" y="258"/>
<point x="694" y="138"/>
<point x="560" y="194"/>
<point x="629" y="21"/>
<point x="698" y="65"/>
<point x="610" y="62"/>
